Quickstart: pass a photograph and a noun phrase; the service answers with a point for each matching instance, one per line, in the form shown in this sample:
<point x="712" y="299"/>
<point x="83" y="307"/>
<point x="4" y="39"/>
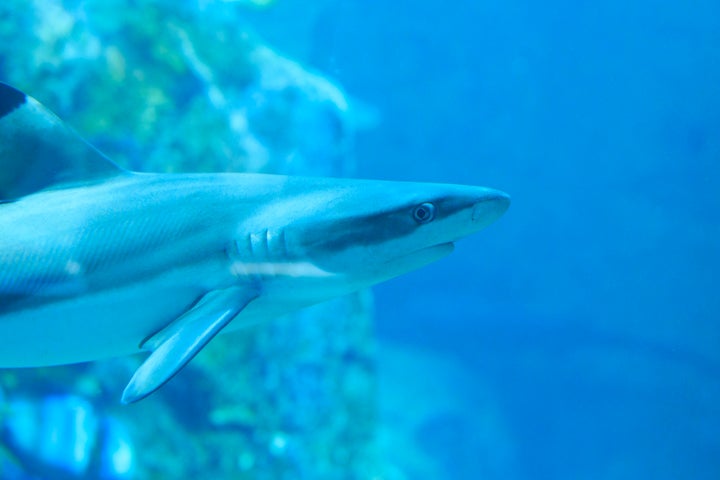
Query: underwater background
<point x="578" y="337"/>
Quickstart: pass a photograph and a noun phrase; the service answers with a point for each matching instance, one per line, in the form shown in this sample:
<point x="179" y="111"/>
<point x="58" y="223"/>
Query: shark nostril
<point x="478" y="212"/>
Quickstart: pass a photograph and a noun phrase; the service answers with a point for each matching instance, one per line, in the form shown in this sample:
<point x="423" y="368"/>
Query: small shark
<point x="97" y="261"/>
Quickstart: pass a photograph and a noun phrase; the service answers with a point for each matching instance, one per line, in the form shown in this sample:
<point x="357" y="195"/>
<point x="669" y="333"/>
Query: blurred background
<point x="579" y="337"/>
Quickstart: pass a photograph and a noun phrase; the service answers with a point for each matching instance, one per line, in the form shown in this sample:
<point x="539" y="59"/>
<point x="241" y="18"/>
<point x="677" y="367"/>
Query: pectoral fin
<point x="177" y="344"/>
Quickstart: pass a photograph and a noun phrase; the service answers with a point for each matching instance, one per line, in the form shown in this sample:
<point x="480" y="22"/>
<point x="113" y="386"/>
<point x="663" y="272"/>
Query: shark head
<point x="369" y="231"/>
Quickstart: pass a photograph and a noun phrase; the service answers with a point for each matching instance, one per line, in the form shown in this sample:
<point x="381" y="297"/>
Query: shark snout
<point x="490" y="207"/>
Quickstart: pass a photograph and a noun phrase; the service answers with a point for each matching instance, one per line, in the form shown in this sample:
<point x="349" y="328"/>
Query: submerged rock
<point x="64" y="437"/>
<point x="165" y="86"/>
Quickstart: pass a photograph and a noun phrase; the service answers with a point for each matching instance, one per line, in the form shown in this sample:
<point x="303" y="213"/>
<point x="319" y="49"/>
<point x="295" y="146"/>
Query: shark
<point x="97" y="261"/>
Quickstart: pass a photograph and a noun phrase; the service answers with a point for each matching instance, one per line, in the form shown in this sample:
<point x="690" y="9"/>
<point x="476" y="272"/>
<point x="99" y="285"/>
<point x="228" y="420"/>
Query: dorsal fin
<point x="38" y="151"/>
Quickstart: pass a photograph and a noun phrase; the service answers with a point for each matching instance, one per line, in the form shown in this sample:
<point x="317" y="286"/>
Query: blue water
<point x="590" y="312"/>
<point x="577" y="337"/>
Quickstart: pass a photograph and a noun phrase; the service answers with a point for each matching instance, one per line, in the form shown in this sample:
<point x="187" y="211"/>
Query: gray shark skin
<point x="97" y="261"/>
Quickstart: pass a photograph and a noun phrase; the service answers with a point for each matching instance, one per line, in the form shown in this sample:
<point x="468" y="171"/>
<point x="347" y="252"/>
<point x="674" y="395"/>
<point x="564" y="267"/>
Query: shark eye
<point x="424" y="213"/>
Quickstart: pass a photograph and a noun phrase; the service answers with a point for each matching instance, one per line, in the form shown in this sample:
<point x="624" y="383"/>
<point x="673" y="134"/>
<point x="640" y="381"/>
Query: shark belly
<point x="102" y="324"/>
<point x="89" y="273"/>
<point x="116" y="321"/>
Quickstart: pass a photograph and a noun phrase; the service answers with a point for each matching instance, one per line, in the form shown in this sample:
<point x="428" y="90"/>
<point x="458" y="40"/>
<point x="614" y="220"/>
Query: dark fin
<point x="38" y="151"/>
<point x="175" y="345"/>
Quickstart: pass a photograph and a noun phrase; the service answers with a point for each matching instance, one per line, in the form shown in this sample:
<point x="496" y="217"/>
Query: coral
<point x="165" y="86"/>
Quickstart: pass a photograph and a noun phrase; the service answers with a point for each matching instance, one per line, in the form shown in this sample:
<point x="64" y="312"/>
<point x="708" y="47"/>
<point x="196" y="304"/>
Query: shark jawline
<point x="442" y="249"/>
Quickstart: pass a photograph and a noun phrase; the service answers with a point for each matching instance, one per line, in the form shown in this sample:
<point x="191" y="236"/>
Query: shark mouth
<point x="419" y="258"/>
<point x="440" y="250"/>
